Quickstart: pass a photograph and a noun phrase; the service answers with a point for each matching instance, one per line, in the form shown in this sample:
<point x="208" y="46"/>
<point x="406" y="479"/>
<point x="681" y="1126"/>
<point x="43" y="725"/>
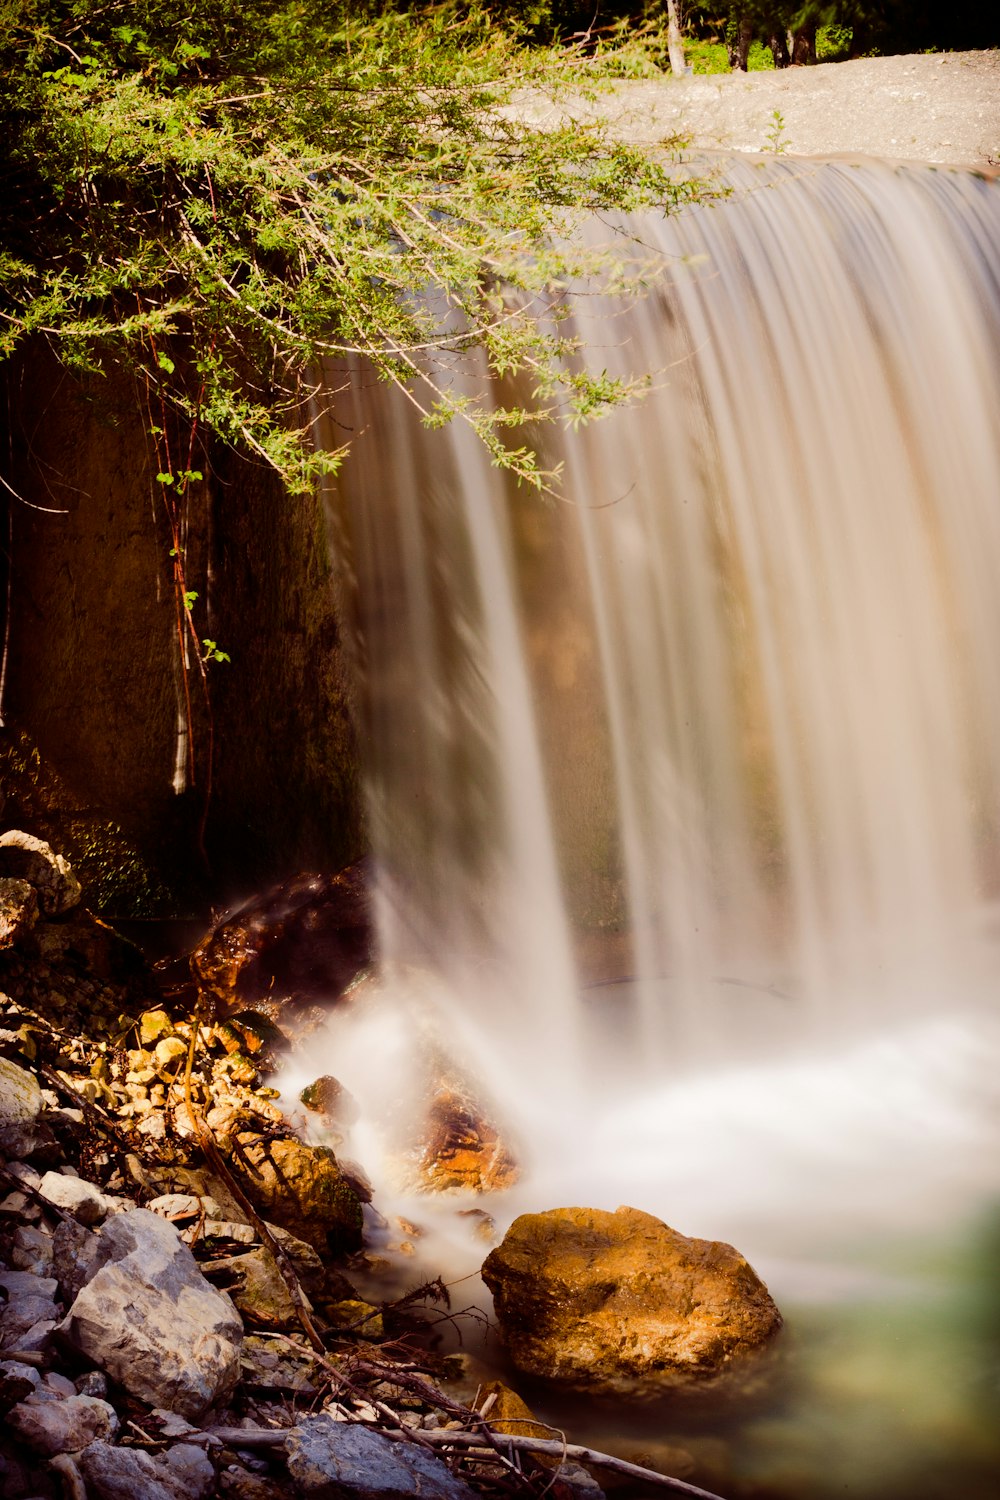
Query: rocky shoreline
<point x="178" y="1318"/>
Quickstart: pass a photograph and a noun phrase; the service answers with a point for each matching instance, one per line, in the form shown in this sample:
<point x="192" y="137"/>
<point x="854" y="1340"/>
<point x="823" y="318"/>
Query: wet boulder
<point x="461" y="1147"/>
<point x="327" y="1098"/>
<point x="301" y="1188"/>
<point x="621" y="1303"/>
<point x="303" y="941"/>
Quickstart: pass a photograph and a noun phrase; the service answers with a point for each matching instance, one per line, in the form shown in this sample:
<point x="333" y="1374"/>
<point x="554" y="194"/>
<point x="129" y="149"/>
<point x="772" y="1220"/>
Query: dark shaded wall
<point x="92" y="691"/>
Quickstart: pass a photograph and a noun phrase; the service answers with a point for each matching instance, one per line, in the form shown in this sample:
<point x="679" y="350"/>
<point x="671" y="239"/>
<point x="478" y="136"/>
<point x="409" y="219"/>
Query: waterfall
<point x="698" y="768"/>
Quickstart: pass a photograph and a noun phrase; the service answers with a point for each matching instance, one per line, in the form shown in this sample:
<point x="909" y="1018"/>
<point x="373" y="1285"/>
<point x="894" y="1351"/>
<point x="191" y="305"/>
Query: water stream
<point x="684" y="791"/>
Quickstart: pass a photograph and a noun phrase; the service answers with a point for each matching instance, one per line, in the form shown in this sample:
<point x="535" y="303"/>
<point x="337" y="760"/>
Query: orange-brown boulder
<point x="304" y="940"/>
<point x="461" y="1147"/>
<point x="619" y="1302"/>
<point x="302" y="1189"/>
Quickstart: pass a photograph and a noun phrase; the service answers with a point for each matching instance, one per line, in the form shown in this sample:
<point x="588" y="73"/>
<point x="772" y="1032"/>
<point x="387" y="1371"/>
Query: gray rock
<point x="31" y="859"/>
<point x="23" y="1313"/>
<point x="32" y="1250"/>
<point x="122" y="1474"/>
<point x="150" y="1320"/>
<point x="50" y="1426"/>
<point x="31" y="1300"/>
<point x="187" y="1468"/>
<point x="15" y="1369"/>
<point x="18" y="910"/>
<point x="75" y="1257"/>
<point x="62" y="1385"/>
<point x="578" y="1481"/>
<point x="20" y="1106"/>
<point x="26" y="1284"/>
<point x="37" y="1337"/>
<point x="170" y="1425"/>
<point x="339" y="1461"/>
<point x="75" y="1196"/>
<point x="182" y="1473"/>
<point x="24" y="1173"/>
<point x="93" y="1383"/>
<point x="238" y="1483"/>
<point x="16" y="1382"/>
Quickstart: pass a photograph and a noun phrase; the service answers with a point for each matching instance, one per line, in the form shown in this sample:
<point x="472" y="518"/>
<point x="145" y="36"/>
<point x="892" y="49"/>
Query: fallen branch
<point x="215" y="1159"/>
<point x="262" y="1437"/>
<point x="91" y="1110"/>
<point x="417" y="1385"/>
<point x="550" y="1448"/>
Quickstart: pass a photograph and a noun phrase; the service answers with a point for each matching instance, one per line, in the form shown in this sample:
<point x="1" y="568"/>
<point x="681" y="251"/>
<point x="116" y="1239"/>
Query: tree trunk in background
<point x="739" y="35"/>
<point x="675" y="44"/>
<point x="803" y="44"/>
<point x="778" y="45"/>
<point x="93" y="729"/>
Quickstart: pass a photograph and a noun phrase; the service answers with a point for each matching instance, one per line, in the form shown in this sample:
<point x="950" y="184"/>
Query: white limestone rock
<point x="75" y="1196"/>
<point x="20" y="1106"/>
<point x="24" y="857"/>
<point x="151" y="1321"/>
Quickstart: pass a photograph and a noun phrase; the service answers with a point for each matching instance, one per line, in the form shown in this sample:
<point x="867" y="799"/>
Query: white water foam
<point x="724" y="728"/>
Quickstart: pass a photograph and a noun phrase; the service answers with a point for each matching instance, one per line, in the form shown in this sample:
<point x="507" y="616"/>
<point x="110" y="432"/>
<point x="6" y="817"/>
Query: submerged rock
<point x="462" y="1147"/>
<point x="619" y="1302"/>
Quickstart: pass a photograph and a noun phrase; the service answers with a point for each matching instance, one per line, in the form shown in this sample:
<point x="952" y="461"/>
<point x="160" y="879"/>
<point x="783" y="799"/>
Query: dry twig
<point x="473" y="1442"/>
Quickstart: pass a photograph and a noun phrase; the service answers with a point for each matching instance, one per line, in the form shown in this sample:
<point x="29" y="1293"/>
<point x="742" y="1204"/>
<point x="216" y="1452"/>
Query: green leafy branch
<point x="221" y="201"/>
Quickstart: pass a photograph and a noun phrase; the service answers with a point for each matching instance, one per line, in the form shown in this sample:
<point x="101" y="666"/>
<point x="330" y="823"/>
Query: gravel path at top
<point x="942" y="107"/>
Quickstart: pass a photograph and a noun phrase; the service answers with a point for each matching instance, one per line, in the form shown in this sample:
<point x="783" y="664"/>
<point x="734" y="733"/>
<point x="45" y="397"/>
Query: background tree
<point x="217" y="198"/>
